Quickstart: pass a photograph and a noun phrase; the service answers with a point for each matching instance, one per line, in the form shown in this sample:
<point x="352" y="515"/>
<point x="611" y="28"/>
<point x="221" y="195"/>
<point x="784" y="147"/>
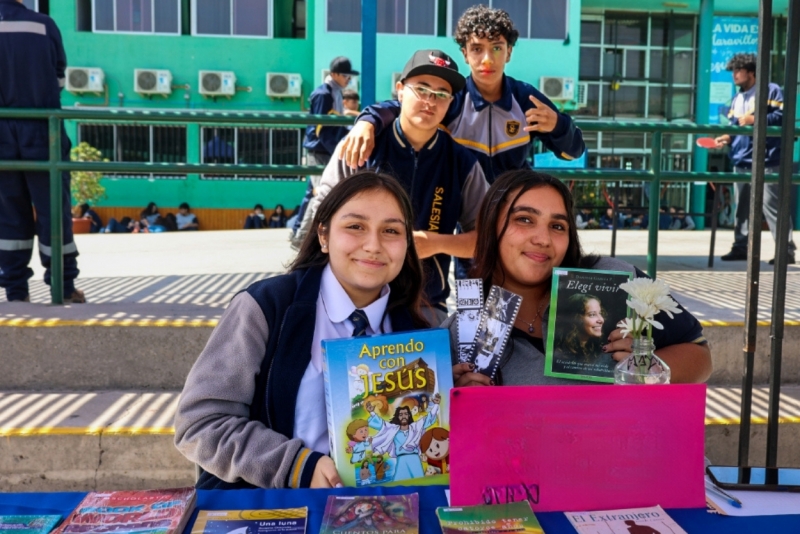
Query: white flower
<point x="627" y="326"/>
<point x="647" y="298"/>
<point x="642" y="309"/>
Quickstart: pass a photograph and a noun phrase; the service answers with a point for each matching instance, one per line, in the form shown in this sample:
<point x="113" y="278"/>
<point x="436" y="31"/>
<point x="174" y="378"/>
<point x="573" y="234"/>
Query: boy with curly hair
<point x="495" y="116"/>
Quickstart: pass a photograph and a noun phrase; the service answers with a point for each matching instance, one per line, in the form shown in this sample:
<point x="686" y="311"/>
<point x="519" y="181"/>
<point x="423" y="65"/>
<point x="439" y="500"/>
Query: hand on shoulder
<point x="356" y="148"/>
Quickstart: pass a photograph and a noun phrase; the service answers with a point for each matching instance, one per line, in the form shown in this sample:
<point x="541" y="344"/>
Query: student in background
<point x="495" y="116"/>
<point x="256" y="219"/>
<point x="584" y="219"/>
<point x="278" y="217"/>
<point x="681" y="221"/>
<point x="350" y="102"/>
<point x="525" y="229"/>
<point x="84" y="211"/>
<point x="727" y="214"/>
<point x="185" y="220"/>
<point x="443" y="178"/>
<point x="252" y="412"/>
<point x="742" y="113"/>
<point x="321" y="141"/>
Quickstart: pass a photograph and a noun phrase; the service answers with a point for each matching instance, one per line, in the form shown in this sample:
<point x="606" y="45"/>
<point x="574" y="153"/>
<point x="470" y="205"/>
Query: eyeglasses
<point x="429" y="95"/>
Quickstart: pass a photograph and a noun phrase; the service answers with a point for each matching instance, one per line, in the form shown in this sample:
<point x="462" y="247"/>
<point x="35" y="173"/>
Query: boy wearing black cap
<point x="495" y="116"/>
<point x="320" y="141"/>
<point x="444" y="180"/>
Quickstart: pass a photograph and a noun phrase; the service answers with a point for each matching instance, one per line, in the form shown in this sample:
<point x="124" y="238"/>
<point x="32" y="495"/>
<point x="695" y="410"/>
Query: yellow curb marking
<point x="86" y="431"/>
<point x="715" y="322"/>
<point x="174" y="323"/>
<point x="170" y="431"/>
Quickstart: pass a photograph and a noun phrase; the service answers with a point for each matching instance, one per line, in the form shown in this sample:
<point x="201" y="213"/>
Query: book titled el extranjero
<point x="387" y="405"/>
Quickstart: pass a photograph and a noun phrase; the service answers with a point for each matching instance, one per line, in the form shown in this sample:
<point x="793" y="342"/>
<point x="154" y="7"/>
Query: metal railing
<point x="55" y="166"/>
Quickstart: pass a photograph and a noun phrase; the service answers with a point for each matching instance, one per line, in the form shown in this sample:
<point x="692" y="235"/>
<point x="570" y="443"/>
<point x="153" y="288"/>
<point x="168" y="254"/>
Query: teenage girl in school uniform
<point x="252" y="412"/>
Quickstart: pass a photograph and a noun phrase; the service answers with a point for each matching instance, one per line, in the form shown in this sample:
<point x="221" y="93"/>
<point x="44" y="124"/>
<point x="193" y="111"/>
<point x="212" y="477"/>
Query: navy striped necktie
<point x="360" y="323"/>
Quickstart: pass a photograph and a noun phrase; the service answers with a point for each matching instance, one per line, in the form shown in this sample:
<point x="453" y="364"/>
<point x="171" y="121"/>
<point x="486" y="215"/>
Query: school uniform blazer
<point x="235" y="417"/>
<point x="493" y="131"/>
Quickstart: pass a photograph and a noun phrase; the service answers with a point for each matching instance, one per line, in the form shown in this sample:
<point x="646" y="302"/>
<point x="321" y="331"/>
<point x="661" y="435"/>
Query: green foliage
<point x="85" y="186"/>
<point x="588" y="194"/>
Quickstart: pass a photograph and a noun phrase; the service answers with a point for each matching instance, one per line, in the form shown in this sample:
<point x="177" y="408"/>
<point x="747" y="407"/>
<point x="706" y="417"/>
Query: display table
<point x="694" y="521"/>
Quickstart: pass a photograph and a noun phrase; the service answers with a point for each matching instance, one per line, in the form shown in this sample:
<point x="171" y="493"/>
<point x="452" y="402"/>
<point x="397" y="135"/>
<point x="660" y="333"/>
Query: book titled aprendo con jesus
<point x="387" y="403"/>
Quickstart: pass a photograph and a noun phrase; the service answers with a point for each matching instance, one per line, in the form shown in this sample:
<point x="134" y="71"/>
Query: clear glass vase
<point x="642" y="366"/>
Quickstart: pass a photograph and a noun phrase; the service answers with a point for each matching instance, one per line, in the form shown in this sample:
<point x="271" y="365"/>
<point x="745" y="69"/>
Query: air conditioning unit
<point x="85" y="80"/>
<point x="282" y="85"/>
<point x="583" y="94"/>
<point x="353" y="84"/>
<point x="152" y="82"/>
<point x="556" y="88"/>
<point x="217" y="83"/>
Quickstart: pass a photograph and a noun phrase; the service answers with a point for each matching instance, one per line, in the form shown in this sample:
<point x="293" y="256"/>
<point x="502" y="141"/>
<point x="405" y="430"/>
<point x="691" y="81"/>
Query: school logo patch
<point x="512" y="128"/>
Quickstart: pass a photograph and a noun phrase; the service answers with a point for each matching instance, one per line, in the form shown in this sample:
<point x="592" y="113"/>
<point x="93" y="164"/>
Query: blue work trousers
<point x="20" y="194"/>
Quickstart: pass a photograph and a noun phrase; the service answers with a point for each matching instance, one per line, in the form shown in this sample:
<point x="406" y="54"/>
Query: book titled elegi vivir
<point x="387" y="405"/>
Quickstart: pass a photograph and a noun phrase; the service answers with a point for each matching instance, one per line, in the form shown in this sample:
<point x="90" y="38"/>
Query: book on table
<point x="652" y="520"/>
<point x="379" y="514"/>
<point x="387" y="402"/>
<point x="280" y="521"/>
<point x="28" y="524"/>
<point x="585" y="307"/>
<point x="514" y="517"/>
<point x="161" y="511"/>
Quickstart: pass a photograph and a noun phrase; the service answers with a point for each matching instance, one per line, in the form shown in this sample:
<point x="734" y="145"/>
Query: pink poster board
<point x="578" y="447"/>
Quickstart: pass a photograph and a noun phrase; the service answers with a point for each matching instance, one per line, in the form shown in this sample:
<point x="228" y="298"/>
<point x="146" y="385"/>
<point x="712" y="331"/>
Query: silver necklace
<point x="530" y="324"/>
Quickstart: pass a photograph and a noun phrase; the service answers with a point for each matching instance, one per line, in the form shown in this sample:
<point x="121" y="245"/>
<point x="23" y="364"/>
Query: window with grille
<point x="137" y="143"/>
<point x="410" y="17"/>
<point x="254" y="146"/>
<point x="638" y="67"/>
<point x="237" y="18"/>
<point x="534" y="19"/>
<point x="137" y="16"/>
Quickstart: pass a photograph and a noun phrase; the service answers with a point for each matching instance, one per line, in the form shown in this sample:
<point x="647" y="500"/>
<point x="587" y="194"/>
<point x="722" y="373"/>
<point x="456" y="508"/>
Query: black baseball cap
<point x="341" y="65"/>
<point x="436" y="63"/>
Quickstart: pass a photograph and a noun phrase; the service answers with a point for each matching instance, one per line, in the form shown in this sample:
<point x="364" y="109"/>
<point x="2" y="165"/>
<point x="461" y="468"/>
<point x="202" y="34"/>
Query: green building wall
<point x="184" y="55"/>
<point x="531" y="58"/>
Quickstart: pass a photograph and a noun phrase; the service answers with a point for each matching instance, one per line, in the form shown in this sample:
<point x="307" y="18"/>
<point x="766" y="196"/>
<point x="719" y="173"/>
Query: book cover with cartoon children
<point x="386" y="399"/>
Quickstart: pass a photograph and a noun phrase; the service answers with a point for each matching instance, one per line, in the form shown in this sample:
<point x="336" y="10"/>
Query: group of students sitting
<point x="258" y="219"/>
<point x="383" y="228"/>
<point x="151" y="221"/>
<point x="673" y="218"/>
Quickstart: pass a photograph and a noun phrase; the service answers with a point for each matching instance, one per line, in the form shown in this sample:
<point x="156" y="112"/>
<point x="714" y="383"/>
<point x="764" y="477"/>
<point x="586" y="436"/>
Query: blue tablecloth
<point x="693" y="521"/>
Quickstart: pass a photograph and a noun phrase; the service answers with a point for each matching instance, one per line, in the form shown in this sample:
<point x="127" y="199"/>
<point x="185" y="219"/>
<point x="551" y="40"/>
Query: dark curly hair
<point x="742" y="61"/>
<point x="485" y="23"/>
